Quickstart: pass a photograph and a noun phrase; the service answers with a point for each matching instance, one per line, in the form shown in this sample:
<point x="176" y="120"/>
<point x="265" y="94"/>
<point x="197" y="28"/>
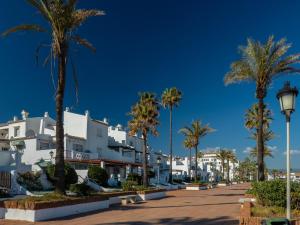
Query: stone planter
<point x="114" y="198"/>
<point x="39" y="211"/>
<point x="222" y="184"/>
<point x="151" y="194"/>
<point x="196" y="187"/>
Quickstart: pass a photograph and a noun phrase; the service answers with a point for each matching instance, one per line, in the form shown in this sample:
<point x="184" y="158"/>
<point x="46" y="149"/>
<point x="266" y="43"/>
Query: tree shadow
<point x="184" y="220"/>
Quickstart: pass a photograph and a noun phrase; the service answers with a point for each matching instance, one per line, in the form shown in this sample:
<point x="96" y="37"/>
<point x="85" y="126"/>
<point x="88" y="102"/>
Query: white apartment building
<point x="209" y="167"/>
<point x="26" y="141"/>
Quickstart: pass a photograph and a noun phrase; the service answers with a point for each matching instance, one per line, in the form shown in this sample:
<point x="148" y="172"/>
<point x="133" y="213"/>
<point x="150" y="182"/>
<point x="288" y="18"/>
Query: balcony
<point x="70" y="154"/>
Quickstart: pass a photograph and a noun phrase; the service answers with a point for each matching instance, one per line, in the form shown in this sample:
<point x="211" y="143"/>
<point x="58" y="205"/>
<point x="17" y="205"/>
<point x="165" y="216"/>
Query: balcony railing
<point x="70" y="154"/>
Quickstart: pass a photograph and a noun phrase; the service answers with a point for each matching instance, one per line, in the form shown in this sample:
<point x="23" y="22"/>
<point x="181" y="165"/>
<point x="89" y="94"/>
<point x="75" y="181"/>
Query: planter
<point x="114" y="198"/>
<point x="222" y="184"/>
<point x="196" y="187"/>
<point x="151" y="194"/>
<point x="39" y="211"/>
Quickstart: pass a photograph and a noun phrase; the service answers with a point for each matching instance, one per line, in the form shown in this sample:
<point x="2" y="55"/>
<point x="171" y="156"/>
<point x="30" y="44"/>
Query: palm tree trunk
<point x="196" y="163"/>
<point x="190" y="175"/>
<point x="228" y="170"/>
<point x="145" y="168"/>
<point x="223" y="169"/>
<point x="171" y="148"/>
<point x="59" y="158"/>
<point x="260" y="142"/>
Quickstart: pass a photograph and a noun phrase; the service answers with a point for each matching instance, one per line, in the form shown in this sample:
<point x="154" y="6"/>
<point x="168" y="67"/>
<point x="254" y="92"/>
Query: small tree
<point x="71" y="176"/>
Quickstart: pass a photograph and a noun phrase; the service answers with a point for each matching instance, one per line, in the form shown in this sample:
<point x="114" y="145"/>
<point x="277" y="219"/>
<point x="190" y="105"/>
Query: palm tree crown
<point x="252" y="117"/>
<point x="171" y="97"/>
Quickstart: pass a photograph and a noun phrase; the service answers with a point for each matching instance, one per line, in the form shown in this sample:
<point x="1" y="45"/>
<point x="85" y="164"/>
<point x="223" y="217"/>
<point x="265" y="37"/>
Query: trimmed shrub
<point x="178" y="181"/>
<point x="98" y="174"/>
<point x="129" y="185"/>
<point x="81" y="189"/>
<point x="70" y="174"/>
<point x="134" y="177"/>
<point x="273" y="193"/>
<point x="30" y="180"/>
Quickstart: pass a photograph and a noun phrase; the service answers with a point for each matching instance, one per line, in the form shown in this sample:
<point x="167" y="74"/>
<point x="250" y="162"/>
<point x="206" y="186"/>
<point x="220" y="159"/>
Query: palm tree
<point x="252" y="117"/>
<point x="63" y="19"/>
<point x="170" y="98"/>
<point x="222" y="156"/>
<point x="144" y="120"/>
<point x="261" y="63"/>
<point x="195" y="132"/>
<point x="230" y="158"/>
<point x="188" y="144"/>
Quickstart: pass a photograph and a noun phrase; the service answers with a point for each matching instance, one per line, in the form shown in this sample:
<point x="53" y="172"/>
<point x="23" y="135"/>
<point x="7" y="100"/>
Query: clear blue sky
<point x="150" y="45"/>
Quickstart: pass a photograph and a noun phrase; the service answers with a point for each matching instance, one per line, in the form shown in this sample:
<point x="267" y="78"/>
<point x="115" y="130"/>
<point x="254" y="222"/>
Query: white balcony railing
<point x="81" y="155"/>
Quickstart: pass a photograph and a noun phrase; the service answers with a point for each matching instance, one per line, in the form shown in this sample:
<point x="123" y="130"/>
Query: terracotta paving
<point x="218" y="206"/>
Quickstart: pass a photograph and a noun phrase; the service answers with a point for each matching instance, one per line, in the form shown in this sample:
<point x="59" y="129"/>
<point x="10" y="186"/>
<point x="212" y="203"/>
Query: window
<point x="44" y="145"/>
<point x="99" y="132"/>
<point x="131" y="143"/>
<point x="78" y="147"/>
<point x="16" y="131"/>
<point x="4" y="149"/>
<point x="123" y="142"/>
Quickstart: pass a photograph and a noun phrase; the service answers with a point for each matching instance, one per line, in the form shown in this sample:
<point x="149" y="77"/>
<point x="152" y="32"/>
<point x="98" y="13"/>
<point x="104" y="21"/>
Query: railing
<point x="81" y="155"/>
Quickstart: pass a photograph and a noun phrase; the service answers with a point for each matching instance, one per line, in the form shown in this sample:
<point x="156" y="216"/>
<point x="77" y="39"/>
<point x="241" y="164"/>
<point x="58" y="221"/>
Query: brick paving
<point x="218" y="206"/>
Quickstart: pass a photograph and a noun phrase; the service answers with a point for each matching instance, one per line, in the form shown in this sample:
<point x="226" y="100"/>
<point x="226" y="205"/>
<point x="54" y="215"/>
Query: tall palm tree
<point x="144" y="120"/>
<point x="170" y="98"/>
<point x="63" y="19"/>
<point x="222" y="156"/>
<point x="261" y="63"/>
<point x="188" y="144"/>
<point x="195" y="132"/>
<point x="252" y="117"/>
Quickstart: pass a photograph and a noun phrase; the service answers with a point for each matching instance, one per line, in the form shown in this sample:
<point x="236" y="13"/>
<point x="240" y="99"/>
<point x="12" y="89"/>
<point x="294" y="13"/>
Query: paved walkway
<point x="209" y="207"/>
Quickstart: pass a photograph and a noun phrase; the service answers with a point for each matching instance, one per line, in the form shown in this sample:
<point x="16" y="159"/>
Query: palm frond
<point x="83" y="42"/>
<point x="24" y="27"/>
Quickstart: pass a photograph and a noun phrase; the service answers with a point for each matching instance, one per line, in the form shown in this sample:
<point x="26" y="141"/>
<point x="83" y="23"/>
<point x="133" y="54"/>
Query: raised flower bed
<point x="151" y="194"/>
<point x="114" y="197"/>
<point x="38" y="209"/>
<point x="196" y="187"/>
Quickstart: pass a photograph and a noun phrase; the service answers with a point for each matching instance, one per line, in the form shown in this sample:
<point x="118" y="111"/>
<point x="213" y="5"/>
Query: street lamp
<point x="158" y="162"/>
<point x="287" y="99"/>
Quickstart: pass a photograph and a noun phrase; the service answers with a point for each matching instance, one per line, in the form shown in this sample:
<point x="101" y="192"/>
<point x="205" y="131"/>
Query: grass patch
<point x="271" y="211"/>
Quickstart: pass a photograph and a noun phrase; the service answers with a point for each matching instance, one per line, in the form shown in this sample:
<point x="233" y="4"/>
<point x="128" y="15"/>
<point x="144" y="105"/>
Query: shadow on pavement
<point x="185" y="220"/>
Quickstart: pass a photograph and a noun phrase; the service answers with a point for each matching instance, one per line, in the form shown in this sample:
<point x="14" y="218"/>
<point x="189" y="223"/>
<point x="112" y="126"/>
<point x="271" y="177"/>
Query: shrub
<point x="129" y="185"/>
<point x="70" y="174"/>
<point x="134" y="177"/>
<point x="81" y="189"/>
<point x="98" y="174"/>
<point x="30" y="180"/>
<point x="151" y="174"/>
<point x="273" y="193"/>
<point x="178" y="181"/>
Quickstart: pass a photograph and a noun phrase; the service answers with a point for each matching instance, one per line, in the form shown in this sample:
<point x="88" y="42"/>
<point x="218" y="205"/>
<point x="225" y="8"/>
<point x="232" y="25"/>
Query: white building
<point x="87" y="141"/>
<point x="209" y="167"/>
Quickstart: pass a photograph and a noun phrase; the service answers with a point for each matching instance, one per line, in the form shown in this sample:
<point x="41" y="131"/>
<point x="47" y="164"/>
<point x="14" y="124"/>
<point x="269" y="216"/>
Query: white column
<point x="102" y="165"/>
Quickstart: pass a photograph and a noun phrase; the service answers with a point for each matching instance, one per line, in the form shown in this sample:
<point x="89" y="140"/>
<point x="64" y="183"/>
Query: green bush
<point x="81" y="189"/>
<point x="98" y="174"/>
<point x="30" y="180"/>
<point x="178" y="181"/>
<point x="134" y="177"/>
<point x="129" y="185"/>
<point x="70" y="174"/>
<point x="151" y="174"/>
<point x="273" y="193"/>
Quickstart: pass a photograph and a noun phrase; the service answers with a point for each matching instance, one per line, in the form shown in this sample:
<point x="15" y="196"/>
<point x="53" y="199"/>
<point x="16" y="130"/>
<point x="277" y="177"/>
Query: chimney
<point x="67" y="109"/>
<point x="15" y="118"/>
<point x="87" y="113"/>
<point x="24" y="114"/>
<point x="105" y="120"/>
<point x="46" y="114"/>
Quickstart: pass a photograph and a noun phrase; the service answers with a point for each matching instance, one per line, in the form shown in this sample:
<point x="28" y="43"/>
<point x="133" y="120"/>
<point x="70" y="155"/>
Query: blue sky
<point x="148" y="46"/>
